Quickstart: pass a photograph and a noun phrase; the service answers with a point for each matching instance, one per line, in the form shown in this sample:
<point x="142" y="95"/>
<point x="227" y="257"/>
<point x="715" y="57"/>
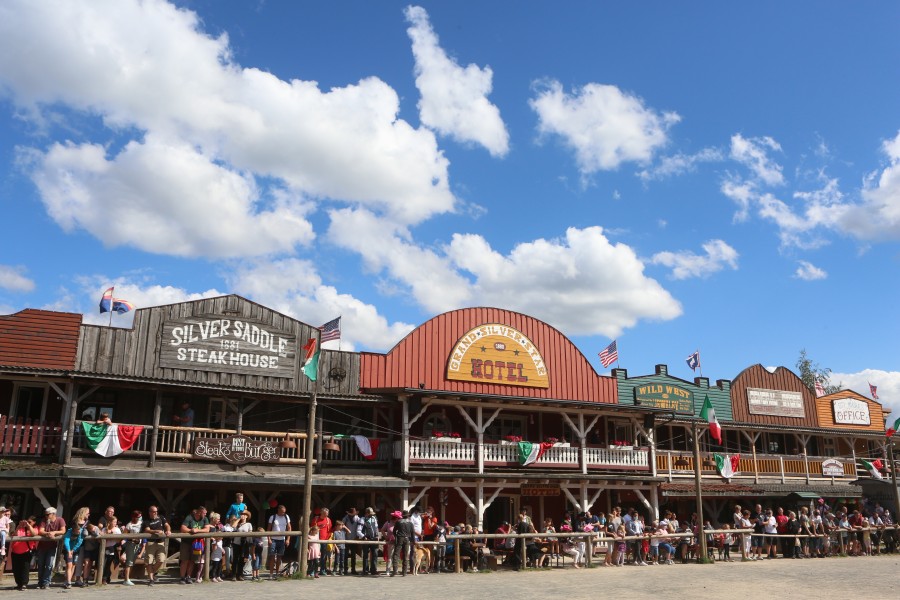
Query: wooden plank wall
<point x="41" y="339"/>
<point x="826" y="414"/>
<point x="422" y="356"/>
<point x="783" y="379"/>
<point x="134" y="352"/>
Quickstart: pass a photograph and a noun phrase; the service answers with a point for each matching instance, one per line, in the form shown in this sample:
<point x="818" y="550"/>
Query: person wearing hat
<point x="353" y="522"/>
<point x="387" y="534"/>
<point x="52" y="528"/>
<point x="404" y="541"/>
<point x="370" y="551"/>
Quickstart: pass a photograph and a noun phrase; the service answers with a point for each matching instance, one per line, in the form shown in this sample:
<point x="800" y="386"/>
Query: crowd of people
<point x="418" y="541"/>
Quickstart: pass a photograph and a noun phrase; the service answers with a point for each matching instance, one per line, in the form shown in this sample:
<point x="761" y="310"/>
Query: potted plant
<point x="510" y="439"/>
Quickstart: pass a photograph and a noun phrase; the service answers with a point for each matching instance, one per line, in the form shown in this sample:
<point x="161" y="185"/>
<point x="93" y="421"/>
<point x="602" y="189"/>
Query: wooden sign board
<point x="540" y="489"/>
<point x="665" y="396"/>
<point x="778" y="403"/>
<point x="236" y="449"/>
<point x="227" y="345"/>
<point x="495" y="353"/>
<point x="832" y="467"/>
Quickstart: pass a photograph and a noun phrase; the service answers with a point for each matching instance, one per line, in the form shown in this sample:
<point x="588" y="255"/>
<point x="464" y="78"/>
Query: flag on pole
<point x="727" y="465"/>
<point x="106" y="301"/>
<point x="820" y="389"/>
<point x="529" y="452"/>
<point x="693" y="361"/>
<point x="874" y="390"/>
<point x="122" y="306"/>
<point x="709" y="413"/>
<point x="111" y="439"/>
<point x="609" y="355"/>
<point x="873" y="467"/>
<point x="331" y="330"/>
<point x="311" y="362"/>
<point x="893" y="428"/>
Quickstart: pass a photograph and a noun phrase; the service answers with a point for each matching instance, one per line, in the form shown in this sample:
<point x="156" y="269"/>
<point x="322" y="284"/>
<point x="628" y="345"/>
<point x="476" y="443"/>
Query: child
<point x="340" y="550"/>
<point x="237" y="508"/>
<point x="216" y="554"/>
<point x="113" y="549"/>
<point x="256" y="555"/>
<point x="227" y="548"/>
<point x="315" y="553"/>
<point x="5" y="523"/>
<point x="620" y="546"/>
<point x="727" y="540"/>
<point x="440" y="547"/>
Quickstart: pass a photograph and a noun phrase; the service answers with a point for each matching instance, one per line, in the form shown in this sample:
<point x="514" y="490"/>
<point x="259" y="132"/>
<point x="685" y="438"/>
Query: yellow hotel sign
<point x="496" y="353"/>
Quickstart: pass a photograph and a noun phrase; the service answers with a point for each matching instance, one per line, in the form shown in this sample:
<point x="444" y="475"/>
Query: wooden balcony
<point x="765" y="466"/>
<point x="463" y="454"/>
<point x="29" y="438"/>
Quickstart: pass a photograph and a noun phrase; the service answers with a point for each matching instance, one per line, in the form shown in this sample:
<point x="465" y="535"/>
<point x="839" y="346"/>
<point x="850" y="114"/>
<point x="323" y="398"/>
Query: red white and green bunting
<point x="111" y="440"/>
<point x="709" y="413"/>
<point x="529" y="452"/>
<point x="727" y="465"/>
<point x="893" y="428"/>
<point x="873" y="467"/>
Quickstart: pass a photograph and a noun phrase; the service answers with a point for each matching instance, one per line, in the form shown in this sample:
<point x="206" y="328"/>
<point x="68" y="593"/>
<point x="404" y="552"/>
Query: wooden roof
<point x="420" y="360"/>
<point x="39" y="339"/>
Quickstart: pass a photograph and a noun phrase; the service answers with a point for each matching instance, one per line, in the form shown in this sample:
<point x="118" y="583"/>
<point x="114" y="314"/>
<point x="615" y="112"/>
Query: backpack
<point x="370" y="528"/>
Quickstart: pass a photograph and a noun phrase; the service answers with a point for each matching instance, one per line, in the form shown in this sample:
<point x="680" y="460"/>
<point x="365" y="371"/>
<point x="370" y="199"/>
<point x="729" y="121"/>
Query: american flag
<point x="331" y="330"/>
<point x="820" y="389"/>
<point x="609" y="355"/>
<point x="874" y="390"/>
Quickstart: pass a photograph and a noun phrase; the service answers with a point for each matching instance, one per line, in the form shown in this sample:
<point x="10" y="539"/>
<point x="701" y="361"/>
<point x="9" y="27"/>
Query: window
<point x="504" y="426"/>
<point x="30" y="402"/>
<point x="435" y="422"/>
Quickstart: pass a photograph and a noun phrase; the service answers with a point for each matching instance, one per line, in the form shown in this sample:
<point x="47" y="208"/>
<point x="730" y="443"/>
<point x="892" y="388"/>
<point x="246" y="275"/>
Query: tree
<point x="811" y="373"/>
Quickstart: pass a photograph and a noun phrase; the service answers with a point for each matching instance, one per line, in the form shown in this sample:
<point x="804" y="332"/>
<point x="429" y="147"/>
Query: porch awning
<point x="774" y="490"/>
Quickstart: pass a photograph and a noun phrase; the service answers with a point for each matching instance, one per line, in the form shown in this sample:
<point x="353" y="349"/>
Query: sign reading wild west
<point x="214" y="343"/>
<point x="236" y="449"/>
<point x="666" y="396"/>
<point x="496" y="353"/>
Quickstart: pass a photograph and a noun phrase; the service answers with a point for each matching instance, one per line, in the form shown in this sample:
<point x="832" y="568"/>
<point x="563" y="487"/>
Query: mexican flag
<point x="873" y="467"/>
<point x="368" y="448"/>
<point x="111" y="440"/>
<point x="709" y="413"/>
<point x="530" y="451"/>
<point x="893" y="428"/>
<point x="727" y="465"/>
<point x="311" y="362"/>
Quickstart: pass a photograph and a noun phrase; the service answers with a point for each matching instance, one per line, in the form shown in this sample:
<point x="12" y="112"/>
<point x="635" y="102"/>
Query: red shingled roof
<point x="39" y="339"/>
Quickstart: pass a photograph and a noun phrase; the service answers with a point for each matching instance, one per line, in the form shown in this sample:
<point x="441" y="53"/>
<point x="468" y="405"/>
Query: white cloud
<point x="165" y="198"/>
<point x="686" y="264"/>
<point x="581" y="284"/>
<point x="887" y="382"/>
<point x="383" y="245"/>
<point x="453" y="99"/>
<point x="753" y="153"/>
<point x="678" y="164"/>
<point x="14" y="279"/>
<point x="295" y="288"/>
<point x="150" y="73"/>
<point x="809" y="272"/>
<point x="602" y="124"/>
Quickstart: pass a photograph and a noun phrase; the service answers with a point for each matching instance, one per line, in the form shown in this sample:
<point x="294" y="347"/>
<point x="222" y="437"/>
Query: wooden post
<point x="154" y="435"/>
<point x="456" y="568"/>
<point x="781" y="465"/>
<point x="101" y="562"/>
<point x="307" y="481"/>
<point x="206" y="544"/>
<point x="524" y="557"/>
<point x="894" y="489"/>
<point x="700" y="533"/>
<point x="239" y="426"/>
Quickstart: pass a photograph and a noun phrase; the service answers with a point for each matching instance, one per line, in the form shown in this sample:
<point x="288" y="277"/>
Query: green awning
<point x="807" y="495"/>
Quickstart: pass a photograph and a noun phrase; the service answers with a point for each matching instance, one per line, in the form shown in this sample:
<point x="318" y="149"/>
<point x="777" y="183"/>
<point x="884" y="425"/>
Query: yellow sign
<point x="496" y="353"/>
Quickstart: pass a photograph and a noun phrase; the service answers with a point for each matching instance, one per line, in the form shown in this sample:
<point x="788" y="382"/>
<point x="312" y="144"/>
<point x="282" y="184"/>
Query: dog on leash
<point x="422" y="559"/>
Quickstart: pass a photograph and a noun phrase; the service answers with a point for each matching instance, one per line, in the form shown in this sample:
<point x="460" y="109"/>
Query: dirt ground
<point x="875" y="578"/>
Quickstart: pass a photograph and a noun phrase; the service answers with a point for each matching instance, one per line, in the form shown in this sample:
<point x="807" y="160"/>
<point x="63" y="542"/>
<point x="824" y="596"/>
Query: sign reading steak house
<point x="495" y="353"/>
<point x="214" y="343"/>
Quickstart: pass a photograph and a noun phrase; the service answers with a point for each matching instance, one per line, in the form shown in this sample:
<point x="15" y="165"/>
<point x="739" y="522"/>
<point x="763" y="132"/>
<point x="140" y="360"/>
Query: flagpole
<point x="617" y="354"/>
<point x="703" y="558"/>
<point x="339" y="328"/>
<point x="307" y="481"/>
<point x="699" y="362"/>
<point x="111" y="297"/>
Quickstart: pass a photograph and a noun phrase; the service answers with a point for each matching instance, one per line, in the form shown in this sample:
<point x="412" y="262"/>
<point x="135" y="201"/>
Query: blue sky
<point x="675" y="176"/>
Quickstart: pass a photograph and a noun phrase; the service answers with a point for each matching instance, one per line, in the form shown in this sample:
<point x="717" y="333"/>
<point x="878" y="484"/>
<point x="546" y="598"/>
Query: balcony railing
<point x="465" y="455"/>
<point x="27" y="437"/>
<point x="766" y="465"/>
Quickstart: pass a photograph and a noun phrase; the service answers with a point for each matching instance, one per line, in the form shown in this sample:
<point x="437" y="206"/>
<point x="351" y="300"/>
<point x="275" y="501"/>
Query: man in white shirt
<point x="280" y="521"/>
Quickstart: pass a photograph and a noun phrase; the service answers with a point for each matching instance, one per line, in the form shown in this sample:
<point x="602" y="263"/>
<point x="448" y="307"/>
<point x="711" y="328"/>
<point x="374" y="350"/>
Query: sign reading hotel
<point x="665" y="396"/>
<point x="236" y="449"/>
<point x="243" y="346"/>
<point x="777" y="403"/>
<point x="848" y="411"/>
<point x="496" y="353"/>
